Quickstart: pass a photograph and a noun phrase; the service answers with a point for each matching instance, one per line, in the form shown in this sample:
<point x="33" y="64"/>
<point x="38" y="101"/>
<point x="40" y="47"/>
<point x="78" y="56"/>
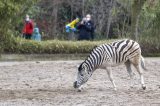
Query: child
<point x="36" y="35"/>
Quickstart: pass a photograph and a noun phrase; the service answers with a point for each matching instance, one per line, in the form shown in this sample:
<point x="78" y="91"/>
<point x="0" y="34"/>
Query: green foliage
<point x="150" y="20"/>
<point x="150" y="47"/>
<point x="10" y="13"/>
<point x="53" y="46"/>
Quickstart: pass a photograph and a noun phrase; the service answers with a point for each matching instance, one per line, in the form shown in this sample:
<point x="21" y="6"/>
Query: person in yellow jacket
<point x="71" y="25"/>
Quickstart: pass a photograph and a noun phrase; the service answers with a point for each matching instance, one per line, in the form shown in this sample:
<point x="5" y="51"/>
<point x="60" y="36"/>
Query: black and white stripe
<point x="106" y="55"/>
<point x="115" y="53"/>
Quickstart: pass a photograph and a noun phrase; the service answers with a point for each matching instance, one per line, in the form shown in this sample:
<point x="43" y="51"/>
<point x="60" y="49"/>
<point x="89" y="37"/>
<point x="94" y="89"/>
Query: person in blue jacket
<point x="86" y="29"/>
<point x="36" y="35"/>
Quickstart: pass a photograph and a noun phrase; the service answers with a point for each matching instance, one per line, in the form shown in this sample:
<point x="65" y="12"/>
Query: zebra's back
<point x="122" y="50"/>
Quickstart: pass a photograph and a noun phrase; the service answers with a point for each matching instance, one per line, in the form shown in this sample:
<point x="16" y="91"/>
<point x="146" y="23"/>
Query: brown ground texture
<point x="50" y="83"/>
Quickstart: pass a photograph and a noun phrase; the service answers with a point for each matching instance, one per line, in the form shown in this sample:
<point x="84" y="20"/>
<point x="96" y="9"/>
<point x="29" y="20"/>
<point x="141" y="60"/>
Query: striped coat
<point x="109" y="55"/>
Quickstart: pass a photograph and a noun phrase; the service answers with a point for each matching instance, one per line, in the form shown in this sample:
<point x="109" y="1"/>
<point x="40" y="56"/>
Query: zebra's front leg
<point x="109" y="72"/>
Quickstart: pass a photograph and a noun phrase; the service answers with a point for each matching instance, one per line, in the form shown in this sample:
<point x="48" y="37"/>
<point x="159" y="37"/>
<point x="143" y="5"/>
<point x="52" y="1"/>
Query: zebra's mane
<point x="80" y="67"/>
<point x="90" y="53"/>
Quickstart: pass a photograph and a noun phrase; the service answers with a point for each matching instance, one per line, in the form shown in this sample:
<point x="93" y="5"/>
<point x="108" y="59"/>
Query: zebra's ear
<point x="80" y="67"/>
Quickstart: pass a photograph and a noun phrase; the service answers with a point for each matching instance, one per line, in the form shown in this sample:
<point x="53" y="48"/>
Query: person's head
<point x="36" y="30"/>
<point x="88" y="17"/>
<point x="27" y="18"/>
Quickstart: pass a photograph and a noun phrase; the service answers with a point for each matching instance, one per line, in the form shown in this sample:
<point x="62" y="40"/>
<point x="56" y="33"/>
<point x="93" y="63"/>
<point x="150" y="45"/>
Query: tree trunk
<point x="110" y="17"/>
<point x="55" y="20"/>
<point x="136" y="9"/>
<point x="83" y="8"/>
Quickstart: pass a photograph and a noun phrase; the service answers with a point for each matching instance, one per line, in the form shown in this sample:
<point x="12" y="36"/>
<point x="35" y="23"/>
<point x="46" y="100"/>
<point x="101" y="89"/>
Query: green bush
<point x="149" y="47"/>
<point x="53" y="46"/>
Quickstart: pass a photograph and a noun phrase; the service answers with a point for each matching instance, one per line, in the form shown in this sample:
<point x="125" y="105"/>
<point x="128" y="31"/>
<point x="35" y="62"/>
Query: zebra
<point x="105" y="56"/>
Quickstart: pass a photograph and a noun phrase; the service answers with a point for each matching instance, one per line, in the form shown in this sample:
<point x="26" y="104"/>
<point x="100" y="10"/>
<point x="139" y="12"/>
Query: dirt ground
<point x="50" y="83"/>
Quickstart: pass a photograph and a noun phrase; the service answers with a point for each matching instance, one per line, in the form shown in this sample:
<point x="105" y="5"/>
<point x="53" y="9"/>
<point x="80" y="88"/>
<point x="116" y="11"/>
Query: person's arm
<point x="31" y="26"/>
<point x="79" y="26"/>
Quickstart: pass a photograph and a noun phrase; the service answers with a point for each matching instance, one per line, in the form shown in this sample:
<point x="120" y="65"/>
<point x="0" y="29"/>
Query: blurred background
<point x="112" y="18"/>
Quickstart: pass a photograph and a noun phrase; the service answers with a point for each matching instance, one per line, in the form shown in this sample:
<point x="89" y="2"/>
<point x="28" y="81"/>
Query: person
<point x="71" y="26"/>
<point x="28" y="28"/>
<point x="36" y="35"/>
<point x="86" y="28"/>
<point x="71" y="29"/>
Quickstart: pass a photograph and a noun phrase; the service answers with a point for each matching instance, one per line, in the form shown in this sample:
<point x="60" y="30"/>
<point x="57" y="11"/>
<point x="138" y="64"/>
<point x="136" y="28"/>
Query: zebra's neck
<point x="96" y="58"/>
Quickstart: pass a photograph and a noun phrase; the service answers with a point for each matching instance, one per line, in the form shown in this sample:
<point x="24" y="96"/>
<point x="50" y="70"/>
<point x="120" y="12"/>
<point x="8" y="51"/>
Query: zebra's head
<point x="83" y="75"/>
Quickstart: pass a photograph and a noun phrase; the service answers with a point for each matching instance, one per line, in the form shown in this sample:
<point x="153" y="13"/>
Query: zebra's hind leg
<point x="109" y="72"/>
<point x="129" y="70"/>
<point x="137" y="64"/>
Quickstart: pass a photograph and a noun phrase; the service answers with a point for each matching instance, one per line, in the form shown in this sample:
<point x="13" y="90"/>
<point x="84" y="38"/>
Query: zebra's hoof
<point x="79" y="90"/>
<point x="144" y="87"/>
<point x="115" y="89"/>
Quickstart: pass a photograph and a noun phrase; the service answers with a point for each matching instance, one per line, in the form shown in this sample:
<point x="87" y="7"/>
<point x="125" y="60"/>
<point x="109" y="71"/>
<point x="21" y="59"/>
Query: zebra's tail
<point x="143" y="63"/>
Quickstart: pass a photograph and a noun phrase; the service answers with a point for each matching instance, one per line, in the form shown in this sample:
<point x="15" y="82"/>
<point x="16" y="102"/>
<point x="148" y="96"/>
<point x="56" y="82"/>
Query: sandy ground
<point x="50" y="83"/>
